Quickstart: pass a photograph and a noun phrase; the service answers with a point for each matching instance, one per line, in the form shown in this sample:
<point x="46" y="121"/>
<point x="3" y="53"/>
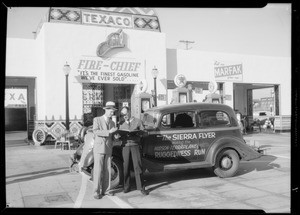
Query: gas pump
<point x="213" y="97"/>
<point x="140" y="100"/>
<point x="180" y="94"/>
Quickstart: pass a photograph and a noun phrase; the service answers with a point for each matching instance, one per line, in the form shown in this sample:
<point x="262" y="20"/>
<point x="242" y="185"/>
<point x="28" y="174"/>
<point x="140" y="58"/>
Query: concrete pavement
<point x="38" y="176"/>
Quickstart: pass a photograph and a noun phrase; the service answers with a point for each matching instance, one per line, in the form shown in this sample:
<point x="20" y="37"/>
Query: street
<point x="38" y="176"/>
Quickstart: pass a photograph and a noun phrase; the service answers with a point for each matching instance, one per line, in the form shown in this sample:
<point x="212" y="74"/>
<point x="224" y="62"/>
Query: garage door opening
<point x="263" y="103"/>
<point x="16" y="109"/>
<point x="256" y="101"/>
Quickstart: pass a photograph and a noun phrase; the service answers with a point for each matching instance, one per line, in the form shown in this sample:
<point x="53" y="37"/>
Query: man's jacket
<point x="103" y="139"/>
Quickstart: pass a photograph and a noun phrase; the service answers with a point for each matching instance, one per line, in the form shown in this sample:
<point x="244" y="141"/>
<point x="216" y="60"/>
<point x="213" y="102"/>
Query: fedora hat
<point x="110" y="105"/>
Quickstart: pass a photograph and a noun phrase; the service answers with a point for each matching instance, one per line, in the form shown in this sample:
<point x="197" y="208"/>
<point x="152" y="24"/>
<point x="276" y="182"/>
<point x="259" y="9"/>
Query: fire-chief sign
<point x="112" y="70"/>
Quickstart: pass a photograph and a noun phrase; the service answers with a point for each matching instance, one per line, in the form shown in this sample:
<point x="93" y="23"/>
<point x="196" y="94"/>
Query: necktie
<point x="107" y="123"/>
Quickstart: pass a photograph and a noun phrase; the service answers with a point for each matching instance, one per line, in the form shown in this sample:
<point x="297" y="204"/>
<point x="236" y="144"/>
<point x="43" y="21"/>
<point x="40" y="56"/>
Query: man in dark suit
<point x="131" y="151"/>
<point x="103" y="128"/>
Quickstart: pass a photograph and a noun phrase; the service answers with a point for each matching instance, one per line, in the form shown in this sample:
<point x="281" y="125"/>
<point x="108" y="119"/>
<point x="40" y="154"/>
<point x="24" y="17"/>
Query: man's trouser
<point x="134" y="153"/>
<point x="102" y="173"/>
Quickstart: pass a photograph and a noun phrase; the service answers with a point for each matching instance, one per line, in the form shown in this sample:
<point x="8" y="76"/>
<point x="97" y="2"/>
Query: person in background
<point x="164" y="122"/>
<point x="239" y="117"/>
<point x="131" y="150"/>
<point x="268" y="124"/>
<point x="103" y="129"/>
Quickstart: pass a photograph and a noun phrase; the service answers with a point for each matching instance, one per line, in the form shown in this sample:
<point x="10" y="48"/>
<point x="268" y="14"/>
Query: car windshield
<point x="150" y="119"/>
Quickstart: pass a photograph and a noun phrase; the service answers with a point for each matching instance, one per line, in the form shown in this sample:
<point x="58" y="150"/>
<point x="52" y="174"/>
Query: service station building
<point x="120" y="55"/>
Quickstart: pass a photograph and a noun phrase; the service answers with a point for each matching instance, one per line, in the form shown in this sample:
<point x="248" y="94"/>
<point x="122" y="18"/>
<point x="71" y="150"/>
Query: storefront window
<point x="122" y="96"/>
<point x="92" y="95"/>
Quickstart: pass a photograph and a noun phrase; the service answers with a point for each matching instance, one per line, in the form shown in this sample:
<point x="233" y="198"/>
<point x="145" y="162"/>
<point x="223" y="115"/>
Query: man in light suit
<point x="103" y="128"/>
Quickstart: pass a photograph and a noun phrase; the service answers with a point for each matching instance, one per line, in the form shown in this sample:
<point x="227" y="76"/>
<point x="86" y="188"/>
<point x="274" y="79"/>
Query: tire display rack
<point x="54" y="129"/>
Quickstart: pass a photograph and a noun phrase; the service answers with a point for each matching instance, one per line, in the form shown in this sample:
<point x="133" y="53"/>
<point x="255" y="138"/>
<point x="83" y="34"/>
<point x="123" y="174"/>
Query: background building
<point x="110" y="52"/>
<point x="237" y="76"/>
<point x="74" y="36"/>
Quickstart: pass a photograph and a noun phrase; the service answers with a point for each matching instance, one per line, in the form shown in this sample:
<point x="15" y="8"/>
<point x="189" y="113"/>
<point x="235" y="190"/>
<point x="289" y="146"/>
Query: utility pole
<point x="186" y="43"/>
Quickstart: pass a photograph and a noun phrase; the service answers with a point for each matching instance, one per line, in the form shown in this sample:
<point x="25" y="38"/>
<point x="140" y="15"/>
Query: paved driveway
<point x="263" y="183"/>
<point x="39" y="177"/>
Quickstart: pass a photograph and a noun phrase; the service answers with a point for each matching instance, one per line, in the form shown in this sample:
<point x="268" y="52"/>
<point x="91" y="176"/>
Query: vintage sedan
<point x="186" y="136"/>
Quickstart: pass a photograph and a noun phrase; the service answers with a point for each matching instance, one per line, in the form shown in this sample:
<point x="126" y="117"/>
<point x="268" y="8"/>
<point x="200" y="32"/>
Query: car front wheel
<point x="227" y="163"/>
<point x="116" y="172"/>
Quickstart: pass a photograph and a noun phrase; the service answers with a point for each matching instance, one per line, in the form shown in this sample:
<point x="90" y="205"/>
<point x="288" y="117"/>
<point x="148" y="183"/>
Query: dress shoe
<point x="108" y="194"/>
<point x="145" y="192"/>
<point x="126" y="190"/>
<point x="97" y="196"/>
<point x="85" y="171"/>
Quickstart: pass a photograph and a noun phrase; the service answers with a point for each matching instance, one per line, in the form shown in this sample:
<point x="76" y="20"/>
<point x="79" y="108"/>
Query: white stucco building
<point x="254" y="72"/>
<point x="110" y="52"/>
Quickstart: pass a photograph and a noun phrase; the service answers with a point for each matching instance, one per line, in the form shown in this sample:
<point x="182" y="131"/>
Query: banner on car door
<point x="183" y="144"/>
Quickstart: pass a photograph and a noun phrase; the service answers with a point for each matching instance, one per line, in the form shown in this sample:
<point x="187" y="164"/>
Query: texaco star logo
<point x="180" y="80"/>
<point x="212" y="86"/>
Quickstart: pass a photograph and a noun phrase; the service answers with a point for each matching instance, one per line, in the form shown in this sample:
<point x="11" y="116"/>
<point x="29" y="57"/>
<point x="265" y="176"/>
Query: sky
<point x="253" y="31"/>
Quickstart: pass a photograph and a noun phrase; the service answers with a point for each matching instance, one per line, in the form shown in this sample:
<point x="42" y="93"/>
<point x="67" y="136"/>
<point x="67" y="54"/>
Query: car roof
<point x="191" y="106"/>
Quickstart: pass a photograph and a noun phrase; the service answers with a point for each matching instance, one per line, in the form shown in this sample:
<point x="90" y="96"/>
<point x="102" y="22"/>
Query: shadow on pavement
<point x="261" y="164"/>
<point x="35" y="172"/>
<point x="45" y="173"/>
<point x="15" y="143"/>
<point x="165" y="178"/>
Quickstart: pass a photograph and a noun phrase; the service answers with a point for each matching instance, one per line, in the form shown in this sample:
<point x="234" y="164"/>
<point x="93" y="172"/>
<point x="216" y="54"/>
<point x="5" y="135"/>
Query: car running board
<point x="194" y="165"/>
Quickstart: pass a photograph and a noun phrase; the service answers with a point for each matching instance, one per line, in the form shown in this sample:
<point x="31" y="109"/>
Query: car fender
<point x="244" y="151"/>
<point x="87" y="153"/>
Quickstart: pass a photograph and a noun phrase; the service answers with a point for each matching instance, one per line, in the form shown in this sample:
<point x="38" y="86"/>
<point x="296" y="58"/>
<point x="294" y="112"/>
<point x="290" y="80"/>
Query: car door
<point x="175" y="139"/>
<point x="149" y="119"/>
<point x="213" y="124"/>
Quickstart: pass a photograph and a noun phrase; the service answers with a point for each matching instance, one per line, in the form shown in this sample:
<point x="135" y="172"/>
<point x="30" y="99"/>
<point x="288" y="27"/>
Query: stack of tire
<point x="39" y="136"/>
